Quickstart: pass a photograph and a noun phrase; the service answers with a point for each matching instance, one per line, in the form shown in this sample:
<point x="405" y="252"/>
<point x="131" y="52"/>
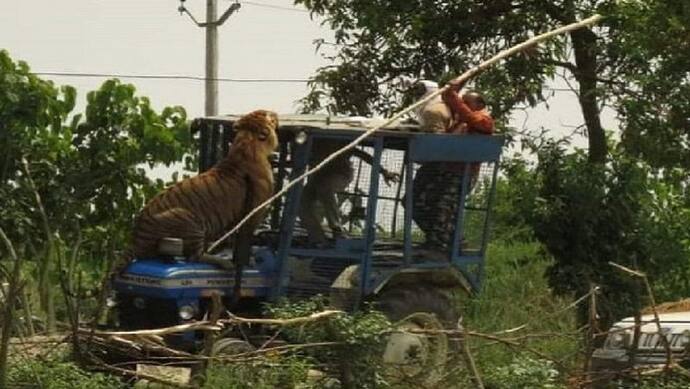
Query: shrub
<point x="287" y="372"/>
<point x="356" y="359"/>
<point x="57" y="375"/>
<point x="524" y="373"/>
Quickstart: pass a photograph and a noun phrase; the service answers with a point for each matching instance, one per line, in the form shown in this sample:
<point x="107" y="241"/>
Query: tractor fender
<point x="447" y="277"/>
<point x="345" y="289"/>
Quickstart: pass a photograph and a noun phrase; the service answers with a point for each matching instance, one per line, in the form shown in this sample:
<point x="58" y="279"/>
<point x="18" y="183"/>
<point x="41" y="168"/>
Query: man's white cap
<point x="429" y="85"/>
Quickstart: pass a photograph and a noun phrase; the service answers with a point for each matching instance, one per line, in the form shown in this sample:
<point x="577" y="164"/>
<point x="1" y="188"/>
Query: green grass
<point x="516" y="294"/>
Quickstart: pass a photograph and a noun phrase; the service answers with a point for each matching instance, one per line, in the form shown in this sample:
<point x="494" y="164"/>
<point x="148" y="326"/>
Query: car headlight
<point x="301" y="138"/>
<point x="618" y="339"/>
<point x="684" y="339"/>
<point x="187" y="312"/>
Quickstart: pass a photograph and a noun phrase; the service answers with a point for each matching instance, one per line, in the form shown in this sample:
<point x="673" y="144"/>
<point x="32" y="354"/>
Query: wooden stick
<point x="8" y="320"/>
<point x="209" y="326"/>
<point x="462" y="78"/>
<point x="282" y="322"/>
<point x="469" y="359"/>
<point x="200" y="325"/>
<point x="662" y="336"/>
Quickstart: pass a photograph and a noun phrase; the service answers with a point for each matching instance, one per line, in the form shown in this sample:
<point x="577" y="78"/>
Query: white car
<point x="618" y="351"/>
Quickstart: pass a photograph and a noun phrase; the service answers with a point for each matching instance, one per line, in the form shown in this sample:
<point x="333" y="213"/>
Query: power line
<point x="275" y="6"/>
<point x="199" y="78"/>
<point x="169" y="77"/>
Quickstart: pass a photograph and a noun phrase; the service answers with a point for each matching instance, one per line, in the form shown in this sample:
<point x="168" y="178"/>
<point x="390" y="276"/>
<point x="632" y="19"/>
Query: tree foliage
<point x="88" y="169"/>
<point x="654" y="80"/>
<point x="380" y="45"/>
<point x="588" y="215"/>
<point x="70" y="184"/>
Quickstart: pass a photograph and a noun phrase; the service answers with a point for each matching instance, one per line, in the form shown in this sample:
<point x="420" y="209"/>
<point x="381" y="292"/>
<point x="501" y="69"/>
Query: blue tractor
<point x="379" y="258"/>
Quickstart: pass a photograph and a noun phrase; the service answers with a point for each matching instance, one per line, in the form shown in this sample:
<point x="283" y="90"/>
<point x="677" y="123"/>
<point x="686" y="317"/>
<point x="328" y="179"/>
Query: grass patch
<point x="516" y="294"/>
<point x="58" y="374"/>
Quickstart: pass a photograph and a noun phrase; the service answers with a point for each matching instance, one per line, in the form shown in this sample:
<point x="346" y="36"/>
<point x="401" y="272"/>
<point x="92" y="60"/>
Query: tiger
<point x="198" y="210"/>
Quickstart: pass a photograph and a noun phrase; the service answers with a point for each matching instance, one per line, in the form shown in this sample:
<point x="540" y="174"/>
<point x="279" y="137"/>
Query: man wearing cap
<point x="436" y="187"/>
<point x="434" y="116"/>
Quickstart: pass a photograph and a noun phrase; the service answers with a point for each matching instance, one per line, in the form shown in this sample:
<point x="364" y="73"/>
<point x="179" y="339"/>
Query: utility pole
<point x="211" y="25"/>
<point x="211" y="59"/>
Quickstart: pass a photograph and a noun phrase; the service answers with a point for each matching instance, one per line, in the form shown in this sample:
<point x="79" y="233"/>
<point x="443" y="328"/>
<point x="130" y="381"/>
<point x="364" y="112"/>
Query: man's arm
<point x="477" y="121"/>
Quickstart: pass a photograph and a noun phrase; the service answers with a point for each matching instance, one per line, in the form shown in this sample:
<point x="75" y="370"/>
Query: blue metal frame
<point x="407" y="226"/>
<point x="453" y="148"/>
<point x="300" y="160"/>
<point x="370" y="235"/>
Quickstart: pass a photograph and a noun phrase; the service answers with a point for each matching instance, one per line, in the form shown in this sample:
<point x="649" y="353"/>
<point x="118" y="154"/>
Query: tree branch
<point x="8" y="315"/>
<point x="564" y="64"/>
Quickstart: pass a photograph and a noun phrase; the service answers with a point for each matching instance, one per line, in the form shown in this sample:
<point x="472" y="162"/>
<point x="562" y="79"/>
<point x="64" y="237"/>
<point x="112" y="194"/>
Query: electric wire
<point x="169" y="77"/>
<point x="197" y="78"/>
<point x="274" y="6"/>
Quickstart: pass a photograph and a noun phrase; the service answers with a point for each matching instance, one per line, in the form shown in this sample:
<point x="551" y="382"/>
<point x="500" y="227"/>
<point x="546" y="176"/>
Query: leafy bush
<point x="32" y="374"/>
<point x="588" y="215"/>
<point x="356" y="358"/>
<point x="524" y="373"/>
<point x="666" y="380"/>
<point x="285" y="372"/>
<point x="516" y="195"/>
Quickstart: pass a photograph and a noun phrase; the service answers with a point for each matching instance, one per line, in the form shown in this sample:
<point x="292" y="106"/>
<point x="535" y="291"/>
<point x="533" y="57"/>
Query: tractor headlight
<point x="111" y="300"/>
<point x="139" y="303"/>
<point x="301" y="138"/>
<point x="187" y="312"/>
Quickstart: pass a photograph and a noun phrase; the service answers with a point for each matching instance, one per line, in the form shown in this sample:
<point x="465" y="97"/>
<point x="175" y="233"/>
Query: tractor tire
<point x="227" y="347"/>
<point x="417" y="357"/>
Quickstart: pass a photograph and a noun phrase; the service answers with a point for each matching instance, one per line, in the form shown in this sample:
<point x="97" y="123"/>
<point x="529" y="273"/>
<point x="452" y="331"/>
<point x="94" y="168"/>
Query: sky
<point x="265" y="39"/>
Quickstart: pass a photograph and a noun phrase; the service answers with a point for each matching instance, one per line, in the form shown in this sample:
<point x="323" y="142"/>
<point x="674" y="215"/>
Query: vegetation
<point x="586" y="207"/>
<point x="58" y="374"/>
<point x="636" y="52"/>
<point x="70" y="184"/>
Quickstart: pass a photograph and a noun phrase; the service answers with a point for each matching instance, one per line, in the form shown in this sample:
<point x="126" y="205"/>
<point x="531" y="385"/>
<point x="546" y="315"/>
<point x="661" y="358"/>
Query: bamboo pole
<point x="460" y="79"/>
<point x="215" y="325"/>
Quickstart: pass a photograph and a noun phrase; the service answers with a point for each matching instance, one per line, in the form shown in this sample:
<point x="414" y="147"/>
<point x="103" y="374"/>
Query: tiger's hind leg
<point x="176" y="223"/>
<point x="194" y="235"/>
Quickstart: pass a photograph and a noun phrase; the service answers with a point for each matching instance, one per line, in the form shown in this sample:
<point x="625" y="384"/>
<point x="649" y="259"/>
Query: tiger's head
<point x="260" y="128"/>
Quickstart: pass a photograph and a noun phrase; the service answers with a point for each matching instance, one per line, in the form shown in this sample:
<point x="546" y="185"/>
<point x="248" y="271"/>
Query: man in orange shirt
<point x="437" y="185"/>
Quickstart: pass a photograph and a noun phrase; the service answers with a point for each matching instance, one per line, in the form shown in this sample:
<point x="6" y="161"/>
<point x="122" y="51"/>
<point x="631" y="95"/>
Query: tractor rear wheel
<point x="228" y="347"/>
<point x="411" y="354"/>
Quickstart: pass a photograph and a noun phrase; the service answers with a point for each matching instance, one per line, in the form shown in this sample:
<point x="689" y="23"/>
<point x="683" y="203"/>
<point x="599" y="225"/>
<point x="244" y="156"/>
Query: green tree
<point x="653" y="82"/>
<point x="641" y="49"/>
<point x="70" y="184"/>
<point x="588" y="215"/>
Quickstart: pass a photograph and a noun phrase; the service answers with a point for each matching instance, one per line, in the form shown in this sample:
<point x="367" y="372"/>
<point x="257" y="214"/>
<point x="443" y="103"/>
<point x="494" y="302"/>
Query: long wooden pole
<point x="460" y="79"/>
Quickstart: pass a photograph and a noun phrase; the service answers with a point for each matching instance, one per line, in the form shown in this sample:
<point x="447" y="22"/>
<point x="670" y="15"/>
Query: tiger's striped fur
<point x="200" y="209"/>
